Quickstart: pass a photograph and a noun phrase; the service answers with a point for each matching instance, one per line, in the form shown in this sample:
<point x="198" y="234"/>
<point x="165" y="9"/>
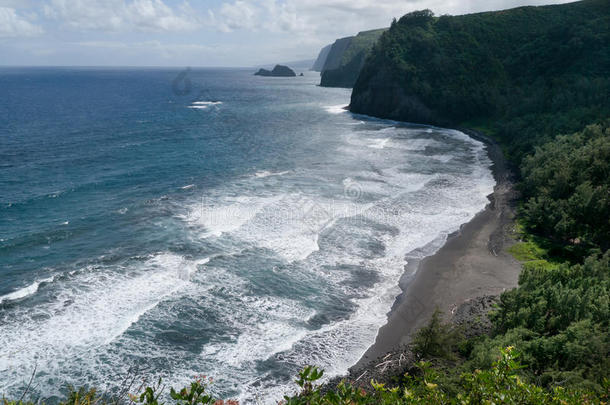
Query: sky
<point x="197" y="32"/>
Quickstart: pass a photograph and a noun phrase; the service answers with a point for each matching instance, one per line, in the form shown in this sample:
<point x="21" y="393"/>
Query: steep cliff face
<point x="346" y="57"/>
<point x="346" y="74"/>
<point x="335" y="55"/>
<point x="318" y="65"/>
<point x="382" y="96"/>
<point x="527" y="73"/>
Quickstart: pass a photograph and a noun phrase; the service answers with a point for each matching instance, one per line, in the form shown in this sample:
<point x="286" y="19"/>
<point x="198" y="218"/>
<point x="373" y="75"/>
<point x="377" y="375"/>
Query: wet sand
<point x="472" y="263"/>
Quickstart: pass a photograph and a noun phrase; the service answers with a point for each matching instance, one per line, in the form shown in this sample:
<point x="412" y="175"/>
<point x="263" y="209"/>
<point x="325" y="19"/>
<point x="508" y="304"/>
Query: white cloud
<point x="257" y="31"/>
<point x="348" y="16"/>
<point x="168" y="51"/>
<point x="238" y="15"/>
<point x="13" y="25"/>
<point x="309" y="24"/>
<point x="121" y="15"/>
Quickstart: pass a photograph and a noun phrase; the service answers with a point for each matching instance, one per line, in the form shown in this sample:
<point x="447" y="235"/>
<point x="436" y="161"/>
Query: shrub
<point x="437" y="339"/>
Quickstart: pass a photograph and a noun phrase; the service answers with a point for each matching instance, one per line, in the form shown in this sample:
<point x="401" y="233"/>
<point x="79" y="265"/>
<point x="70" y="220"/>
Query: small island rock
<point x="278" y="71"/>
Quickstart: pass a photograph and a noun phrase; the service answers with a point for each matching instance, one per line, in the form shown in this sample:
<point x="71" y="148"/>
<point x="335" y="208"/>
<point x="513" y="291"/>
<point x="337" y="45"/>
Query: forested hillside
<point x="527" y="74"/>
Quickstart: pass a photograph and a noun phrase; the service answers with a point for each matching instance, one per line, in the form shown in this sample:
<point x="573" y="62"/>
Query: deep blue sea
<point x="171" y="222"/>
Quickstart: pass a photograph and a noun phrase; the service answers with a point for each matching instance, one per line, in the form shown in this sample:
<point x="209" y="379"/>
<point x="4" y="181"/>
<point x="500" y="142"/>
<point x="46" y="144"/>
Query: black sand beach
<point x="473" y="263"/>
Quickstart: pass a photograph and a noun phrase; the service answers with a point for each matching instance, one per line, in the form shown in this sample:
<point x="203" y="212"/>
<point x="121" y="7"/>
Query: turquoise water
<point x="181" y="222"/>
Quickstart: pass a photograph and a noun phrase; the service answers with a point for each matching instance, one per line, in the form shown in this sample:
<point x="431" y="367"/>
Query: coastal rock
<point x="278" y="71"/>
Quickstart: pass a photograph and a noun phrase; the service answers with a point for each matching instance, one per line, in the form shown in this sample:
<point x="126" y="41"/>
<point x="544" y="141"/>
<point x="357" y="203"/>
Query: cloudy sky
<point x="197" y="32"/>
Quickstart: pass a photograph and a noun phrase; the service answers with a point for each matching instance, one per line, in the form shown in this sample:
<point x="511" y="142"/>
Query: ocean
<point x="178" y="222"/>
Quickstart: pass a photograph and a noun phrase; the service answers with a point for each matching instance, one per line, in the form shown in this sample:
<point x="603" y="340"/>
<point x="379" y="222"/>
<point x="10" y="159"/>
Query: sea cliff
<point x="318" y="65"/>
<point x="533" y="72"/>
<point x="345" y="58"/>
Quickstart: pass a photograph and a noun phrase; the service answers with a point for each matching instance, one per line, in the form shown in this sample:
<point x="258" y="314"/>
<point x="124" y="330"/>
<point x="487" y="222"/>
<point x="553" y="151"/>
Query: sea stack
<point x="278" y="71"/>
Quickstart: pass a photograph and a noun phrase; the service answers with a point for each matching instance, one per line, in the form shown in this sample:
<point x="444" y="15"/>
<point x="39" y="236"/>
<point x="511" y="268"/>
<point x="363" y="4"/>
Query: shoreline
<point x="473" y="263"/>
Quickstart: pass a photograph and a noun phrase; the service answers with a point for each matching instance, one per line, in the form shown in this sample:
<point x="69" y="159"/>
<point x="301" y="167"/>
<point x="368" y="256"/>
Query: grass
<point x="527" y="251"/>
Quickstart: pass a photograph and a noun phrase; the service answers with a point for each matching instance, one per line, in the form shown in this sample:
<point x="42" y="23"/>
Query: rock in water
<point x="278" y="71"/>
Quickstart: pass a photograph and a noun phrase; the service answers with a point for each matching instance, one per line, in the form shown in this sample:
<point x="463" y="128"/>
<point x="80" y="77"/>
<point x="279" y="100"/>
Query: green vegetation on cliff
<point x="346" y="57"/>
<point x="566" y="188"/>
<point x="525" y="74"/>
<point x="559" y="319"/>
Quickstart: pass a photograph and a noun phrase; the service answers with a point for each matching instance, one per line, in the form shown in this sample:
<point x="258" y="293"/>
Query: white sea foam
<point x="424" y="221"/>
<point x="379" y="143"/>
<point x="266" y="173"/>
<point x="391" y="140"/>
<point x="93" y="308"/>
<point x="442" y="158"/>
<point x="229" y="214"/>
<point x="203" y="105"/>
<point x="273" y="330"/>
<point x="25" y="291"/>
<point x="336" y="109"/>
<point x="207" y="102"/>
<point x="378" y="202"/>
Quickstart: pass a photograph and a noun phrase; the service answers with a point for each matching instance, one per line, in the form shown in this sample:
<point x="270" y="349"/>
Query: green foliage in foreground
<point x="559" y="319"/>
<point x="437" y="339"/>
<point x="499" y="385"/>
<point x="195" y="394"/>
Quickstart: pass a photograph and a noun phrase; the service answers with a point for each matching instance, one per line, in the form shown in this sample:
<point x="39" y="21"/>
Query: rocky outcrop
<point x="278" y="71"/>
